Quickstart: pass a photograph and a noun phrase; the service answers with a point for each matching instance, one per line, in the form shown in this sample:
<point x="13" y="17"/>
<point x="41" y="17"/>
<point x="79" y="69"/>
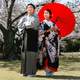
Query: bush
<point x="71" y="45"/>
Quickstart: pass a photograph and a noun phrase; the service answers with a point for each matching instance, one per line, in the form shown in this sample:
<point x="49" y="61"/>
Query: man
<point x="29" y="25"/>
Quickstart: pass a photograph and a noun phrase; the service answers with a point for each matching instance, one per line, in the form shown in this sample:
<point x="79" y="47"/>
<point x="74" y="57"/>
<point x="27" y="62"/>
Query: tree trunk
<point x="9" y="47"/>
<point x="9" y="35"/>
<point x="53" y="0"/>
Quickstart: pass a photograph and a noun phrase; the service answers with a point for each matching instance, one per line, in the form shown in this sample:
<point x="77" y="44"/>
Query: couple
<point x="39" y="44"/>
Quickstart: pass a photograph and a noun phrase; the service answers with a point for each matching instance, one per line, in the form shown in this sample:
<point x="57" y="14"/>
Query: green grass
<point x="69" y="68"/>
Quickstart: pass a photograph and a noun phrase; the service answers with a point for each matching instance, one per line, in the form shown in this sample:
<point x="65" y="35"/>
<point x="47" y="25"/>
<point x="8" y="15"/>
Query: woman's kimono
<point x="48" y="39"/>
<point x="28" y="27"/>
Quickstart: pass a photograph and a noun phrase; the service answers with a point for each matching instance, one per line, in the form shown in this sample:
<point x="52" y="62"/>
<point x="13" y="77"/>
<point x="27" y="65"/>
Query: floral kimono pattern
<point x="48" y="39"/>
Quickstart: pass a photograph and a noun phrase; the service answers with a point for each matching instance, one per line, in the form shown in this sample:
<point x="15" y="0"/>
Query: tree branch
<point x="6" y="3"/>
<point x="76" y="11"/>
<point x="10" y="13"/>
<point x="3" y="29"/>
<point x="18" y="17"/>
<point x="52" y="1"/>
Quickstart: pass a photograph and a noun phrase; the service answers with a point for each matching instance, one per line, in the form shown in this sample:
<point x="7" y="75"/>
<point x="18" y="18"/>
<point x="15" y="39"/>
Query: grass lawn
<point x="69" y="69"/>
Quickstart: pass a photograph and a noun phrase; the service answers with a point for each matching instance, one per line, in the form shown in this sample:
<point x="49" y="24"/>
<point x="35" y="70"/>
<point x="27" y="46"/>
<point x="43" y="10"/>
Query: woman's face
<point x="46" y="15"/>
<point x="30" y="10"/>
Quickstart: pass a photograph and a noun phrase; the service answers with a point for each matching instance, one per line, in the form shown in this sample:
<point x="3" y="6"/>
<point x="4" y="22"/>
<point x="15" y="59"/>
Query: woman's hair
<point x="49" y="12"/>
<point x="31" y="5"/>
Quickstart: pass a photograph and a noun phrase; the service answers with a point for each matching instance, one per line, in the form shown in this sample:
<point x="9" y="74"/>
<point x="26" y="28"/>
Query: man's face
<point x="30" y="10"/>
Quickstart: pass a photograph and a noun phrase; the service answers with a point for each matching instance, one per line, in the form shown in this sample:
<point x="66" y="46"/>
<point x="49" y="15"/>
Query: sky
<point x="65" y="1"/>
<point x="72" y="1"/>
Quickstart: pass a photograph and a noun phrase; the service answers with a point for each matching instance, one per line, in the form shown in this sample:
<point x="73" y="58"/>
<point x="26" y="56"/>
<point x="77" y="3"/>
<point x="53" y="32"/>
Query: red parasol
<point x="61" y="15"/>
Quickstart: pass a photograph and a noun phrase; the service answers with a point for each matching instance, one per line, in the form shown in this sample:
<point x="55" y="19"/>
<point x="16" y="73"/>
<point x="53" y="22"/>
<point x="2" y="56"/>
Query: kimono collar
<point x="31" y="15"/>
<point x="48" y="22"/>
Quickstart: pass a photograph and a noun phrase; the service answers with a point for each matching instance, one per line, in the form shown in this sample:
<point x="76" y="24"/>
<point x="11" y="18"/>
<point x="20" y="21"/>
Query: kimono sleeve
<point x="36" y="22"/>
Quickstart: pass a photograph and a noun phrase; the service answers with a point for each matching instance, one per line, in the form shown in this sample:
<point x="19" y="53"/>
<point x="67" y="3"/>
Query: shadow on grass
<point x="11" y="65"/>
<point x="59" y="77"/>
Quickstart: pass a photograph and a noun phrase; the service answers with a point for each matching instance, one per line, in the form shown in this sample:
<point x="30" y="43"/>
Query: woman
<point x="29" y="26"/>
<point x="48" y="42"/>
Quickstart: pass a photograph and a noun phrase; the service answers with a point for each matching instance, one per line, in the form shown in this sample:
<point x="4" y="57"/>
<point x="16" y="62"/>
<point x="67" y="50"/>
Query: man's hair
<point x="31" y="5"/>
